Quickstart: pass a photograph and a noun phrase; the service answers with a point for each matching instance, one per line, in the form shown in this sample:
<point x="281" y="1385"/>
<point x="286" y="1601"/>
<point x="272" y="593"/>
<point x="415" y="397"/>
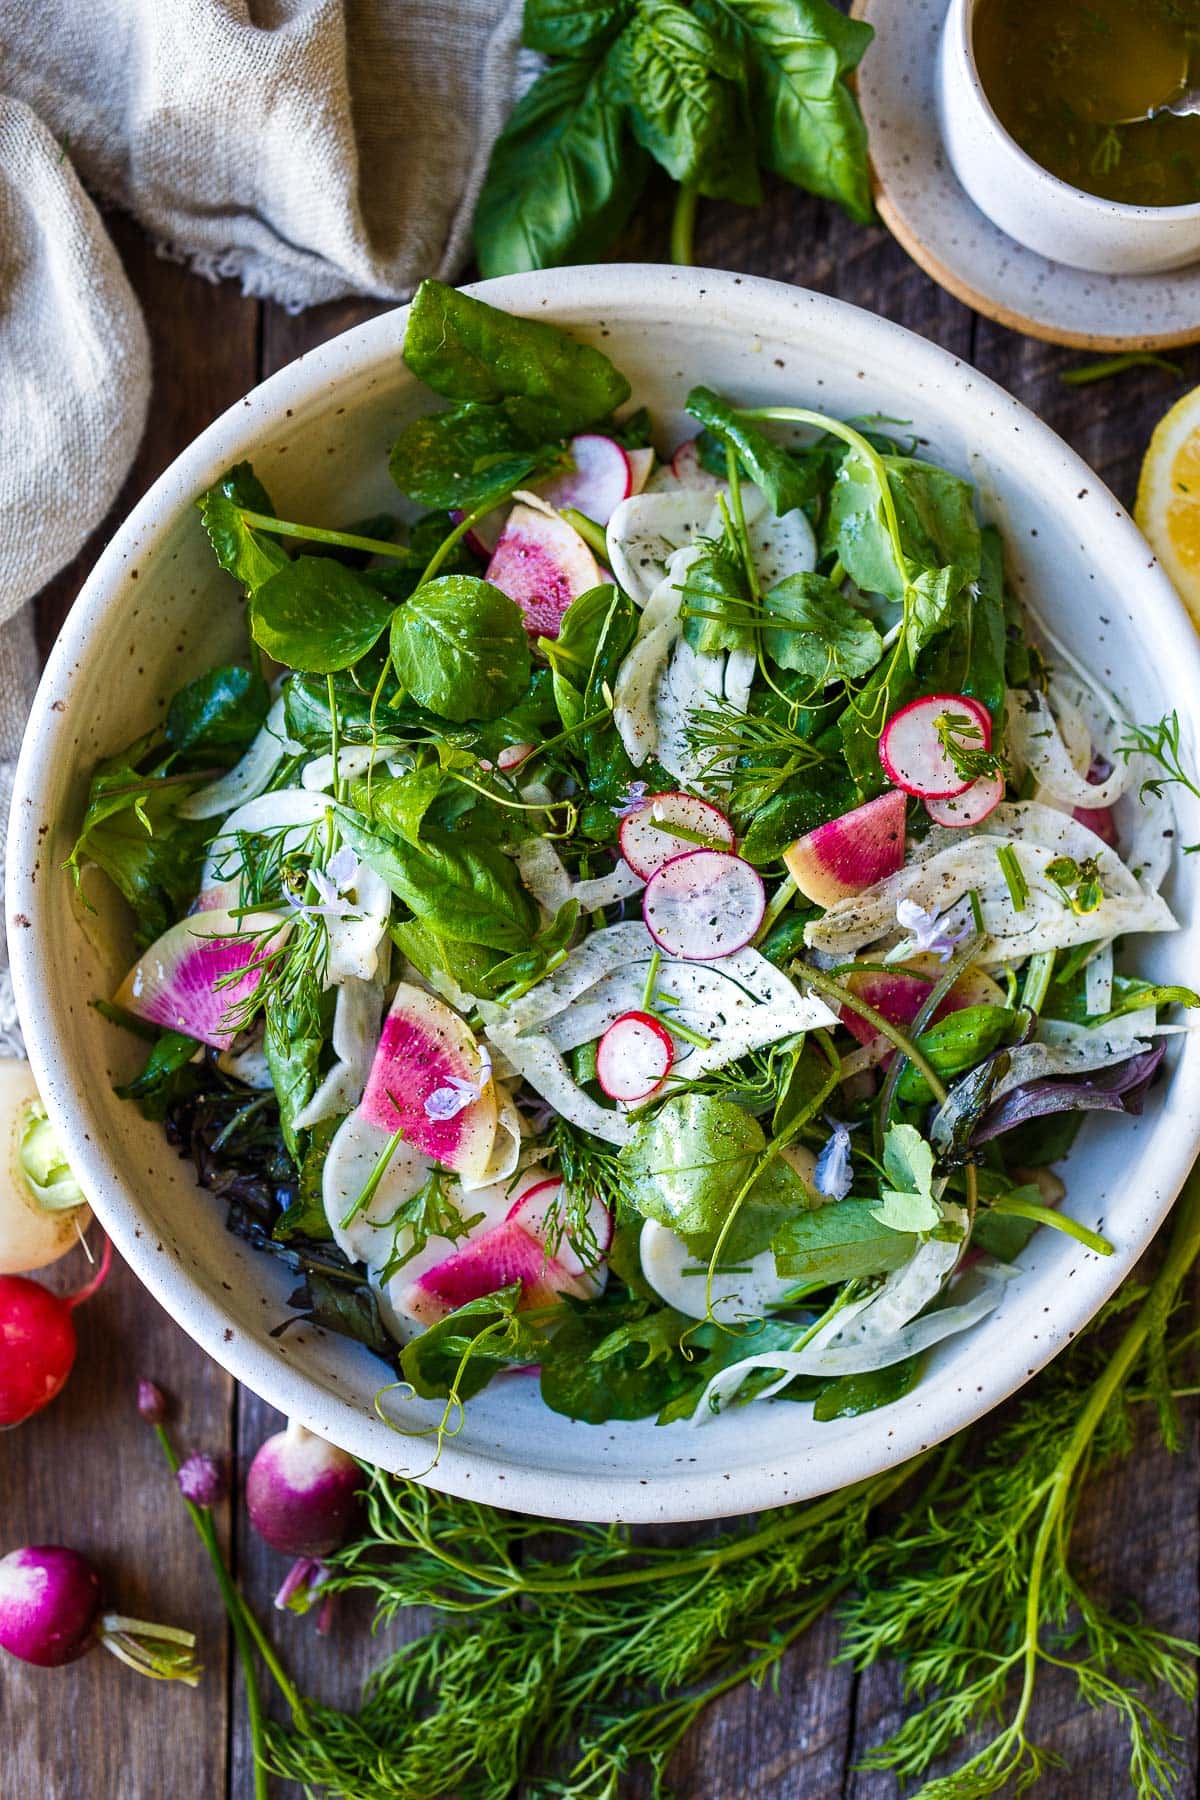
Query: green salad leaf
<point x="317" y="615"/>
<point x="459" y="647"/>
<point x="222" y="709"/>
<point x="250" y="556"/>
<point x="839" y="1242"/>
<point x="820" y="635"/>
<point x="467" y="892"/>
<point x="573" y="27"/>
<point x="908" y="1201"/>
<point x="782" y="478"/>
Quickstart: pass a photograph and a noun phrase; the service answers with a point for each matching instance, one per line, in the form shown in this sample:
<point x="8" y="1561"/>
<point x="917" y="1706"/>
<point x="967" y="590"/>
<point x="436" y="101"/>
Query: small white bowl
<point x="157" y="611"/>
<point x="1026" y="201"/>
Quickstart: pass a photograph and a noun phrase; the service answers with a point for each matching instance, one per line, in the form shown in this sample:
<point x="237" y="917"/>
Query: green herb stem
<point x="887" y="1094"/>
<point x="318" y="534"/>
<point x="683" y="226"/>
<point x="1047" y="1215"/>
<point x="834" y="990"/>
<point x="1106" y="366"/>
<point x="591" y="533"/>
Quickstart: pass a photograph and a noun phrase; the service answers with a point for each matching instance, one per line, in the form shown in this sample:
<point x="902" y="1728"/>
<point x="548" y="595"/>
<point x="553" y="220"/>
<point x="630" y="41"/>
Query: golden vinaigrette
<point x="1072" y="81"/>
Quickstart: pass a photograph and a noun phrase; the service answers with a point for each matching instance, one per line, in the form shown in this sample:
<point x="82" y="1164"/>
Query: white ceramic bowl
<point x="319" y="432"/>
<point x="1033" y="206"/>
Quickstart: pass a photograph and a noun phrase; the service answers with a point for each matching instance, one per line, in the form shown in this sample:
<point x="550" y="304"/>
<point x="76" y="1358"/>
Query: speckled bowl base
<point x="156" y="611"/>
<point x="921" y="202"/>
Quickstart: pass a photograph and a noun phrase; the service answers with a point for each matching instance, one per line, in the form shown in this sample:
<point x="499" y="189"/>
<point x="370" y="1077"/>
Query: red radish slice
<point x="634" y="1057"/>
<point x="641" y="463"/>
<point x="981" y="798"/>
<point x="1100" y="820"/>
<point x="429" y="1081"/>
<point x="690" y="471"/>
<point x="513" y="755"/>
<point x="911" y="750"/>
<point x="539" y="1211"/>
<point x="193" y="976"/>
<point x="646" y="838"/>
<point x="900" y="993"/>
<point x="704" y="905"/>
<point x="852" y="852"/>
<point x="543" y="564"/>
<point x="598" y="483"/>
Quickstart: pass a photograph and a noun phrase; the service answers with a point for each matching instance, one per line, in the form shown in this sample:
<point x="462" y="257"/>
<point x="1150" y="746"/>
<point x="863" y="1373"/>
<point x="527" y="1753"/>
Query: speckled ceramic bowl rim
<point x="743" y="304"/>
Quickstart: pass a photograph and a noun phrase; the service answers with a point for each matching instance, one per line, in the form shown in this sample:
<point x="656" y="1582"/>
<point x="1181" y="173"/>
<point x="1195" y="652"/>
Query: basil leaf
<point x="399" y="801"/>
<point x="249" y="555"/>
<point x="225" y="707"/>
<point x="955" y="1044"/>
<point x="467" y="965"/>
<point x="564" y="178"/>
<point x="458" y="458"/>
<point x="294" y="1031"/>
<point x="786" y="482"/>
<point x="460" y="648"/>
<point x="317" y="615"/>
<point x="808" y="125"/>
<point x="838" y="1242"/>
<point x="468" y="893"/>
<point x="825" y="637"/>
<point x="156" y="1085"/>
<point x="969" y="657"/>
<point x="466" y="350"/>
<point x="801" y="803"/>
<point x="682" y="81"/>
<point x="572" y="27"/>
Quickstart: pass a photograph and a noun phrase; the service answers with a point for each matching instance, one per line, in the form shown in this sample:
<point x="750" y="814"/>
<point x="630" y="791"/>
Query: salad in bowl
<point x="647" y="922"/>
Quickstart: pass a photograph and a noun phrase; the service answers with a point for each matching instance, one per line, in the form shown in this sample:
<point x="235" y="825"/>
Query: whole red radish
<point x="50" y="1614"/>
<point x="37" y="1341"/>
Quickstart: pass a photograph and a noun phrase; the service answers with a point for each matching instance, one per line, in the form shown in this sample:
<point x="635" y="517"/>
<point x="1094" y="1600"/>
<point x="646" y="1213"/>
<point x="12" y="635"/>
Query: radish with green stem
<point x="37" y="1341"/>
<point x="50" y="1614"/>
<point x="302" y="1495"/>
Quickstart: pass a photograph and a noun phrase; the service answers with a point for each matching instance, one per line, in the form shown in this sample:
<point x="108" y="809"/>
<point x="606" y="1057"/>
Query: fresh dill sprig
<point x="1161" y="743"/>
<point x="961" y="737"/>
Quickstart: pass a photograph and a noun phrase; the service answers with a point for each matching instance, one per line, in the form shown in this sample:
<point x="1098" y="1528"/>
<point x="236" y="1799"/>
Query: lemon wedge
<point x="1168" y="497"/>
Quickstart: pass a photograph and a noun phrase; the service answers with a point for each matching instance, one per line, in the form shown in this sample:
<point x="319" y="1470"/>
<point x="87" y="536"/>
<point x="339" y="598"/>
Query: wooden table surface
<point x="88" y="1472"/>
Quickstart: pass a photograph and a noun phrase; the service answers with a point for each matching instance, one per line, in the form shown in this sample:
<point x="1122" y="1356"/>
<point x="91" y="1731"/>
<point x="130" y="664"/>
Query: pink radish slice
<point x="703" y="905"/>
<point x="1100" y="820"/>
<point x="484" y="534"/>
<point x="539" y="1212"/>
<point x="428" y="1080"/>
<point x="513" y="755"/>
<point x="199" y="971"/>
<point x="634" y="1057"/>
<point x="911" y="750"/>
<point x="501" y="1256"/>
<point x="598" y="483"/>
<point x="690" y="471"/>
<point x="852" y="852"/>
<point x="543" y="564"/>
<point x="973" y="806"/>
<point x="900" y="993"/>
<point x="646" y="838"/>
<point x="641" y="462"/>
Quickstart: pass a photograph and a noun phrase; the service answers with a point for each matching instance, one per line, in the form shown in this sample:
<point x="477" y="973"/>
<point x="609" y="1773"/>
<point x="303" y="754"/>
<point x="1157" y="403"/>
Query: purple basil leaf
<point x="1119" y="1088"/>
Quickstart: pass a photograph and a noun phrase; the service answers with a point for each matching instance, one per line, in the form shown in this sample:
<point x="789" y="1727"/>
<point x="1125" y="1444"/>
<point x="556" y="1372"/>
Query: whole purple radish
<point x="302" y="1497"/>
<point x="50" y="1600"/>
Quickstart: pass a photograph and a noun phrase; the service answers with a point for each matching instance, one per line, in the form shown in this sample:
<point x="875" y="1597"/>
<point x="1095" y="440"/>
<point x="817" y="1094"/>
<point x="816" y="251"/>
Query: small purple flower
<point x="447" y="1101"/>
<point x="633" y="797"/>
<point x="834" y="1173"/>
<point x="331" y="884"/>
<point x="927" y="931"/>
<point x="202" y="1479"/>
<point x="151" y="1402"/>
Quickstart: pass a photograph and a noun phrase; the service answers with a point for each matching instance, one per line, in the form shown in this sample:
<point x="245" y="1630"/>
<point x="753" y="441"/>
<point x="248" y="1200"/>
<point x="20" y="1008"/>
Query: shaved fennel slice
<point x="1045" y="922"/>
<point x="596" y="956"/>
<point x="1035" y="737"/>
<point x="1098" y="980"/>
<point x="357" y="1021"/>
<point x="1052" y="830"/>
<point x="249" y="777"/>
<point x="287" y="814"/>
<point x="355" y="937"/>
<point x="542" y="871"/>
<point x="349" y="1164"/>
<point x="646" y="529"/>
<point x="679" y="1278"/>
<point x="634" y="691"/>
<point x="354" y="760"/>
<point x="537" y="1061"/>
<point x="506" y="1146"/>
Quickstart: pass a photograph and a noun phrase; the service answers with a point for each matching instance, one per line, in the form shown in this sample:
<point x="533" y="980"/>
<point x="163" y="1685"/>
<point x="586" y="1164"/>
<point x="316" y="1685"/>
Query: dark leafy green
<point x="251" y="556"/>
<point x="782" y="478"/>
<point x="823" y="638"/>
<point x="839" y="1242"/>
<point x="220" y="710"/>
<point x="318" y="616"/>
<point x="459" y="648"/>
<point x="466" y="892"/>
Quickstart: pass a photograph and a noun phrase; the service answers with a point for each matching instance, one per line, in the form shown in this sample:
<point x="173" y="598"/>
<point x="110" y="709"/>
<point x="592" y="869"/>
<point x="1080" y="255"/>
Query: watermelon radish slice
<point x="900" y="993"/>
<point x="852" y="852"/>
<point x="1100" y="820"/>
<point x="911" y="750"/>
<point x="703" y="905"/>
<point x="543" y="564"/>
<point x="690" y="472"/>
<point x="175" y="982"/>
<point x="634" y="1057"/>
<point x="973" y="806"/>
<point x="539" y="1211"/>
<point x="646" y="838"/>
<point x="641" y="467"/>
<point x="598" y="483"/>
<point x="430" y="1081"/>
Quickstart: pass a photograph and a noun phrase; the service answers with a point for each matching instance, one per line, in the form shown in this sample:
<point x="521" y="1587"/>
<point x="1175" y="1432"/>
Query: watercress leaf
<point x="460" y="648"/>
<point x="458" y="458"/>
<point x="469" y="893"/>
<point x="808" y="125"/>
<point x="852" y="1395"/>
<point x="783" y="479"/>
<point x="251" y="556"/>
<point x="222" y="708"/>
<point x="934" y="512"/>
<point x="956" y="1043"/>
<point x="823" y="637"/>
<point x="682" y="81"/>
<point x="467" y="350"/>
<point x="317" y="616"/>
<point x="839" y="1242"/>
<point x="908" y="1202"/>
<point x="572" y="27"/>
<point x="564" y="178"/>
<point x="716" y="601"/>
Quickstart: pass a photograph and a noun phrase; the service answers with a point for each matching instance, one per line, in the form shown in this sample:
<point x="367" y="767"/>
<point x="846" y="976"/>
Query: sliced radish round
<point x="690" y="471"/>
<point x="598" y="483"/>
<point x="1100" y="820"/>
<point x="703" y="905"/>
<point x="543" y="564"/>
<point x="430" y="1081"/>
<point x="973" y="806"/>
<point x="634" y="1057"/>
<point x="200" y="970"/>
<point x="641" y="465"/>
<point x="852" y="852"/>
<point x="647" y="840"/>
<point x="911" y="750"/>
<point x="580" y="1252"/>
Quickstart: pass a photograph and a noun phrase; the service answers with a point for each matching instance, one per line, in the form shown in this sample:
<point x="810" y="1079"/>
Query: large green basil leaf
<point x="223" y="708"/>
<point x="467" y="892"/>
<point x="821" y="636"/>
<point x="249" y="555"/>
<point x="808" y="125"/>
<point x="467" y="350"/>
<point x="440" y="958"/>
<point x="317" y="615"/>
<point x="460" y="648"/>
<point x="573" y="27"/>
<point x="935" y="512"/>
<point x="786" y="482"/>
<point x="839" y="1242"/>
<point x="399" y="802"/>
<point x="564" y="177"/>
<point x="682" y="80"/>
<point x="956" y="1043"/>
